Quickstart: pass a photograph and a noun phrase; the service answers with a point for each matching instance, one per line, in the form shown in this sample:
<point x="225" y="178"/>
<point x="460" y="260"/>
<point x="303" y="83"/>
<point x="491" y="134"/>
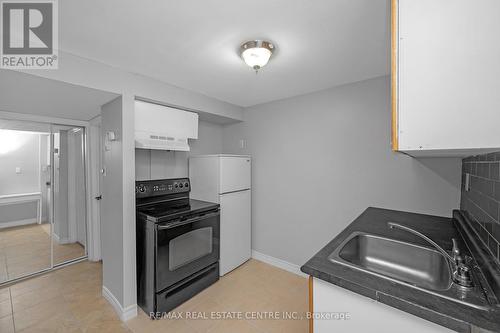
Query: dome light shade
<point x="256" y="53"/>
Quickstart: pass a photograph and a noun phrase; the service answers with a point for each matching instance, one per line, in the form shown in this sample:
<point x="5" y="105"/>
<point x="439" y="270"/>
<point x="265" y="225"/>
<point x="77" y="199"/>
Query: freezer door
<point x="235" y="230"/>
<point x="234" y="174"/>
<point x="204" y="175"/>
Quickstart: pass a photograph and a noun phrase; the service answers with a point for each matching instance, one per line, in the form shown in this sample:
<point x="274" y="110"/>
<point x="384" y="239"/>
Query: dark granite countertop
<point x="456" y="316"/>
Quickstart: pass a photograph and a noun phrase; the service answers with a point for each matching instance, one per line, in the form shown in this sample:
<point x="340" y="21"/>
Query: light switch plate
<point x="18" y="170"/>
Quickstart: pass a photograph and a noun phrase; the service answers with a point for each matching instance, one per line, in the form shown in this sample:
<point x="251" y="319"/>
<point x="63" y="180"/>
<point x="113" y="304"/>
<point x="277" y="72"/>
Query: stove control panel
<point x="150" y="188"/>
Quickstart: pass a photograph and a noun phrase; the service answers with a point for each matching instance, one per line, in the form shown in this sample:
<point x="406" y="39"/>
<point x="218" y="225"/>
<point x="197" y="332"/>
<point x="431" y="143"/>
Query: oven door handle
<point x="188" y="221"/>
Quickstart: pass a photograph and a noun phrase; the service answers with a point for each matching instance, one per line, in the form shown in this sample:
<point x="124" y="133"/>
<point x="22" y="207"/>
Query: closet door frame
<point x="54" y="121"/>
<point x="54" y="128"/>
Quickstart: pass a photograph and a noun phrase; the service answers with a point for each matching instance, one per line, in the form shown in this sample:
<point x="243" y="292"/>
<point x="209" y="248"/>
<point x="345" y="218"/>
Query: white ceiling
<point x="25" y="93"/>
<point x="193" y="44"/>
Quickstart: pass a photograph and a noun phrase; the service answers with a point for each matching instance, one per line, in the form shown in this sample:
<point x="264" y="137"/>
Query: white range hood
<point x="164" y="128"/>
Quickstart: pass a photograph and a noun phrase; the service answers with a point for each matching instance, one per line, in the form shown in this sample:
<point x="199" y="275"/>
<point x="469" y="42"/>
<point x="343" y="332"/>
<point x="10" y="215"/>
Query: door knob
<point x="99" y="197"/>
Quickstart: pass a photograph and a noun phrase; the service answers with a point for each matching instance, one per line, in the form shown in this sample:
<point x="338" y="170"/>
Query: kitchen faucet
<point x="461" y="271"/>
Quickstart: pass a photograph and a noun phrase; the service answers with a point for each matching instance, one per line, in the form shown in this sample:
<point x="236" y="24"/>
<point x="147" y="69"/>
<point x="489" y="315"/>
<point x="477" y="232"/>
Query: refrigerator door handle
<point x="230" y="192"/>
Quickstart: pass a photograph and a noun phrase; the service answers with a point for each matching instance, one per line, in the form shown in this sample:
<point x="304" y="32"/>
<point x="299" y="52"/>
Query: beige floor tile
<point x="202" y="310"/>
<point x="7" y="324"/>
<point x="230" y="293"/>
<point x="282" y="326"/>
<point x="4" y="294"/>
<point x="59" y="323"/>
<point x="5" y="308"/>
<point x="30" y="285"/>
<point x="28" y="256"/>
<point x="232" y="326"/>
<point x="81" y="292"/>
<point x="49" y="310"/>
<point x="70" y="300"/>
<point x="36" y="297"/>
<point x="106" y="327"/>
<point x="143" y="324"/>
<point x="92" y="313"/>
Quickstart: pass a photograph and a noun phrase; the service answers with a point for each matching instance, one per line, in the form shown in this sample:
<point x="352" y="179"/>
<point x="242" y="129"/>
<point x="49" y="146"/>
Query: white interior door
<point x="235" y="230"/>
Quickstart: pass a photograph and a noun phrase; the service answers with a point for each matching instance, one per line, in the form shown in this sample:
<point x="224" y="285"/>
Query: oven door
<point x="185" y="247"/>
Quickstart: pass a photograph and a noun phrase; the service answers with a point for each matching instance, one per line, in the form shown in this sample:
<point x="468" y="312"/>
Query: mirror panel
<point x="25" y="179"/>
<point x="69" y="222"/>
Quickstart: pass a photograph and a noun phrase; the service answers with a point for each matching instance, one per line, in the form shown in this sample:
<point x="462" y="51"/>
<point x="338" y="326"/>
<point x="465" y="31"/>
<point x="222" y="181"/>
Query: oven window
<point x="189" y="246"/>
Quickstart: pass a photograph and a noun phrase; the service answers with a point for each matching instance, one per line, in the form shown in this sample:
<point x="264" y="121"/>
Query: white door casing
<point x="95" y="152"/>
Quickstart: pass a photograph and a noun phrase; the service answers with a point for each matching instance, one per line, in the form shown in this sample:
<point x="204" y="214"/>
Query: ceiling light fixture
<point x="256" y="53"/>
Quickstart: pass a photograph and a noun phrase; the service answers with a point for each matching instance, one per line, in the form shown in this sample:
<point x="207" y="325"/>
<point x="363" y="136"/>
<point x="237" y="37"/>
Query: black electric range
<point x="173" y="209"/>
<point x="177" y="244"/>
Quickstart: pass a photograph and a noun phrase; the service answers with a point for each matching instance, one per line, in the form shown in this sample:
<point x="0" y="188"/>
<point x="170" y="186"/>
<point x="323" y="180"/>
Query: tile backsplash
<point x="482" y="199"/>
<point x="159" y="164"/>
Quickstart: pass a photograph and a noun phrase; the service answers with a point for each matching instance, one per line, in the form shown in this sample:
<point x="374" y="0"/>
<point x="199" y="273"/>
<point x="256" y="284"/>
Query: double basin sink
<point x="415" y="266"/>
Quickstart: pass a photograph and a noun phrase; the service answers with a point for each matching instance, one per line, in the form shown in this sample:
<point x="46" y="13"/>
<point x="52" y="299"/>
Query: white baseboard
<point x="65" y="240"/>
<point x="287" y="266"/>
<point x="17" y="223"/>
<point x="124" y="313"/>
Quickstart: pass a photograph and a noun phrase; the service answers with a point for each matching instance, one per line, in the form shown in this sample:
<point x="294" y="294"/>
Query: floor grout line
<point x="12" y="310"/>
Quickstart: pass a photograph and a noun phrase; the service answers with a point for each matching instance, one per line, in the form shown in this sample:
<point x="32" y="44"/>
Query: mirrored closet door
<point x="69" y="236"/>
<point x="42" y="197"/>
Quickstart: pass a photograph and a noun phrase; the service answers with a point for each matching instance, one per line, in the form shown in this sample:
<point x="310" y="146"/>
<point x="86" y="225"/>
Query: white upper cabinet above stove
<point x="446" y="76"/>
<point x="164" y="128"/>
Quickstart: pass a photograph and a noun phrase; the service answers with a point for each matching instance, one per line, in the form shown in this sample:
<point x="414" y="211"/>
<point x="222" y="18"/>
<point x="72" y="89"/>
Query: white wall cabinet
<point x="445" y="76"/>
<point x="364" y="314"/>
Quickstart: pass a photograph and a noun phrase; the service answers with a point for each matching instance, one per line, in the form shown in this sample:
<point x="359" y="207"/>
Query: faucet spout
<point x="461" y="271"/>
<point x="393" y="225"/>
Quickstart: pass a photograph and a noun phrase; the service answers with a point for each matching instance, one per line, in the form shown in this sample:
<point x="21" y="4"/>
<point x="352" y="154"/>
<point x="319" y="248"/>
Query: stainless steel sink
<point x="416" y="265"/>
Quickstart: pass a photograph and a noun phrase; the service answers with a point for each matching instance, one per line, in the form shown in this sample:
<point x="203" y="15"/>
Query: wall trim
<point x="287" y="266"/>
<point x="126" y="313"/>
<point x="18" y="223"/>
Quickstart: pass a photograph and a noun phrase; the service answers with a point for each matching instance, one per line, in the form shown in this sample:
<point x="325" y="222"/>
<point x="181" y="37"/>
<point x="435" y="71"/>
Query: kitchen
<point x="300" y="185"/>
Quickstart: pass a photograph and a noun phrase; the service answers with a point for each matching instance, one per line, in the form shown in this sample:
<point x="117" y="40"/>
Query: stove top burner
<point x="164" y="200"/>
<point x="166" y="208"/>
<point x="174" y="209"/>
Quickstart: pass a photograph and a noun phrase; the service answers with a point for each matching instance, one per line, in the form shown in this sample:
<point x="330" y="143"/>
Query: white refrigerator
<point x="226" y="179"/>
